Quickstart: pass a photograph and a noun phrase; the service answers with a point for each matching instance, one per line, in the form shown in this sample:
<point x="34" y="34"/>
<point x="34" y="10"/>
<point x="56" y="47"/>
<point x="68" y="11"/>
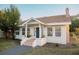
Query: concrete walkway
<point x="17" y="50"/>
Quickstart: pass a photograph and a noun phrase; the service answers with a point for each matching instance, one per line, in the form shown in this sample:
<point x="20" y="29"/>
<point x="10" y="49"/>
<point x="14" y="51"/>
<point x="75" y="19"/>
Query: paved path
<point x="17" y="50"/>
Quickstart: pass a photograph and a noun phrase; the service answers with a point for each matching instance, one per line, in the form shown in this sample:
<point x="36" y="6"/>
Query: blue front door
<point x="37" y="32"/>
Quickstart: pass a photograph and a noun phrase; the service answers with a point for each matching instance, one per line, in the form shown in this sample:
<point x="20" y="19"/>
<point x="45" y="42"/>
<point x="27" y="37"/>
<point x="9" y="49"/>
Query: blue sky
<point x="40" y="10"/>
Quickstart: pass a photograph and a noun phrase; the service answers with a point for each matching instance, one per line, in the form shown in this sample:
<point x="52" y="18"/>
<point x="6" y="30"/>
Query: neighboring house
<point x="52" y="29"/>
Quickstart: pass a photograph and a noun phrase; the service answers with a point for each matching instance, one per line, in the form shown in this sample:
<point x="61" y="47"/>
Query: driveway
<point x="17" y="50"/>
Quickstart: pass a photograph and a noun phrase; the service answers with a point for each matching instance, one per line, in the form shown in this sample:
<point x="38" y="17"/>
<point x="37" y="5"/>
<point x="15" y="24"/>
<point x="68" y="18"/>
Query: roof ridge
<point x="50" y="16"/>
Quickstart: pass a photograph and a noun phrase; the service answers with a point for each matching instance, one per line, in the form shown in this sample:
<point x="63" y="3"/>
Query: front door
<point x="37" y="32"/>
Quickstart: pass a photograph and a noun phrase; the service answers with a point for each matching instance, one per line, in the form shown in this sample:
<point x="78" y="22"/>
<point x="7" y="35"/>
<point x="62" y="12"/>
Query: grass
<point x="8" y="43"/>
<point x="53" y="51"/>
<point x="45" y="50"/>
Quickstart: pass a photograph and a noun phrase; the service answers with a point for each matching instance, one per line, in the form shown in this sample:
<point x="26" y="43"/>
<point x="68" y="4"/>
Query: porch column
<point x="20" y="32"/>
<point x="26" y="30"/>
<point x="40" y="31"/>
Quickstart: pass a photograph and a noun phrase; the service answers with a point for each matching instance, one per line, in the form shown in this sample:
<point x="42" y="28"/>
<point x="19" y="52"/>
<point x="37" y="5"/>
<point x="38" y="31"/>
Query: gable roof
<point x="55" y="19"/>
<point x="52" y="19"/>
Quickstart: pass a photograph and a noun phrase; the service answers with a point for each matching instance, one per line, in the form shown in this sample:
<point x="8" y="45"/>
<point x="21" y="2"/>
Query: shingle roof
<point x="55" y="19"/>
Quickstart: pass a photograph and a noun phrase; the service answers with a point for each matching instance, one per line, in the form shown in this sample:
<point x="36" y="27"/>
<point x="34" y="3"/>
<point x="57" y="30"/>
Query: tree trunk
<point x="5" y="34"/>
<point x="13" y="37"/>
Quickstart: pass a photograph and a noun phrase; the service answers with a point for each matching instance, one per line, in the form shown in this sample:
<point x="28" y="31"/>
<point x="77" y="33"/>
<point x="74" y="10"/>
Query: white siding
<point x="49" y="39"/>
<point x="45" y="31"/>
<point x="20" y="36"/>
<point x="60" y="40"/>
<point x="32" y="31"/>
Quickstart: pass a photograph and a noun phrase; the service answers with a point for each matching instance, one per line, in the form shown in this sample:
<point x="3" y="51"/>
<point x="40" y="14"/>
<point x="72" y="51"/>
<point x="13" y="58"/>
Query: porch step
<point x="29" y="42"/>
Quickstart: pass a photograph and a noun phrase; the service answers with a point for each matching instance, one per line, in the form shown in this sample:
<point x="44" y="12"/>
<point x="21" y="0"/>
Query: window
<point x="23" y="31"/>
<point x="28" y="32"/>
<point x="57" y="31"/>
<point x="49" y="31"/>
<point x="17" y="32"/>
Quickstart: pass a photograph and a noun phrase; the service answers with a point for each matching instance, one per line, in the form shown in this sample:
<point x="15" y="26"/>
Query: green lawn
<point x="45" y="50"/>
<point x="50" y="49"/>
<point x="53" y="51"/>
<point x="8" y="43"/>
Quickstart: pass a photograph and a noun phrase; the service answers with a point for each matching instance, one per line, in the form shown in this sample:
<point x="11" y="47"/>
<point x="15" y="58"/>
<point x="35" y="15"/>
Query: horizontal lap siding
<point x="20" y="36"/>
<point x="60" y="40"/>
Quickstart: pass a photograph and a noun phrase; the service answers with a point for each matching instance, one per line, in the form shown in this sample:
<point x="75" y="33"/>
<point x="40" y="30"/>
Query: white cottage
<point x="39" y="31"/>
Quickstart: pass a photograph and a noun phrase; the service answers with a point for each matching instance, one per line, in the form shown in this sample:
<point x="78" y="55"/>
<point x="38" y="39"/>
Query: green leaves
<point x="9" y="19"/>
<point x="75" y="24"/>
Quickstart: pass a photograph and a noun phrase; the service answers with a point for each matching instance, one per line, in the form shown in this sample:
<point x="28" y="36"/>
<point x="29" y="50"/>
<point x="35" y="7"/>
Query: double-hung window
<point x="28" y="32"/>
<point x="57" y="31"/>
<point x="17" y="32"/>
<point x="49" y="31"/>
<point x="23" y="31"/>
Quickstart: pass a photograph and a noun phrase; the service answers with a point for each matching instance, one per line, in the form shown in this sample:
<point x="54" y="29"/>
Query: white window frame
<point x="23" y="31"/>
<point x="59" y="31"/>
<point x="51" y="32"/>
<point x="17" y="31"/>
<point x="28" y="32"/>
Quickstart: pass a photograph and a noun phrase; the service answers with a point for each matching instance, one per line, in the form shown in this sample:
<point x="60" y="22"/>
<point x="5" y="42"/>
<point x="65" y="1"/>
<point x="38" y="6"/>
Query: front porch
<point x="34" y="30"/>
<point x="33" y="34"/>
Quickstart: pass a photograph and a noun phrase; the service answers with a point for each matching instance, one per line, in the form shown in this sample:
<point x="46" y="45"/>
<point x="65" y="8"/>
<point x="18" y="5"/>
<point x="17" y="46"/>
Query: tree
<point x="9" y="20"/>
<point x="74" y="24"/>
<point x="3" y="23"/>
<point x="14" y="17"/>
